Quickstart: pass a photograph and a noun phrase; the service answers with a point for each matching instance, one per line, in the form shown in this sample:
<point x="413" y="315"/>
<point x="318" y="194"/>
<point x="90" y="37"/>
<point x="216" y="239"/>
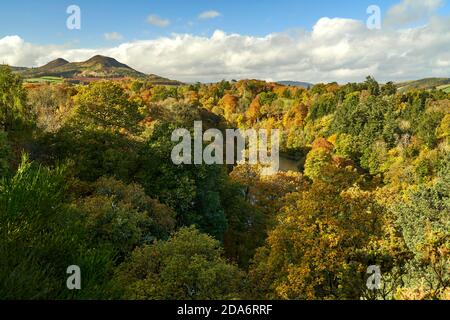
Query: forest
<point x="86" y="179"/>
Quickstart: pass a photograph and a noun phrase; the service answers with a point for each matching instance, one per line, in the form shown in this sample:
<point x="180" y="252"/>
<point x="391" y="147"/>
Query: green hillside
<point x="96" y="68"/>
<point x="445" y="88"/>
<point x="424" y="84"/>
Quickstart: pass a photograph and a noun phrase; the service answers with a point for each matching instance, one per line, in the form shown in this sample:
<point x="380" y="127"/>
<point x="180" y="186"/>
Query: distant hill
<point x="425" y="84"/>
<point x="300" y="84"/>
<point x="18" y="69"/>
<point x="96" y="68"/>
<point x="55" y="64"/>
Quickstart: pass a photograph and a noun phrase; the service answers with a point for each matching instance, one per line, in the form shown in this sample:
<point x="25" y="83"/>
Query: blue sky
<point x="313" y="41"/>
<point x="43" y="21"/>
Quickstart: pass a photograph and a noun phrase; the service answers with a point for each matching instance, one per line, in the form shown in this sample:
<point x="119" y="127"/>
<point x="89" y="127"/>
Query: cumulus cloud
<point x="113" y="36"/>
<point x="209" y="15"/>
<point x="15" y="51"/>
<point x="334" y="50"/>
<point x="409" y="11"/>
<point x="157" y="21"/>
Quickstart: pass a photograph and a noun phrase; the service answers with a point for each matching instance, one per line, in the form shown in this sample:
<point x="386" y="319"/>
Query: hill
<point x="18" y="69"/>
<point x="55" y="64"/>
<point x="424" y="84"/>
<point x="299" y="84"/>
<point x="94" y="69"/>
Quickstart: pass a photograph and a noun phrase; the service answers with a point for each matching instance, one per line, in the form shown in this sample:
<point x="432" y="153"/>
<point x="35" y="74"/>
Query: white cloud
<point x="15" y="51"/>
<point x="157" y="21"/>
<point x="334" y="50"/>
<point x="209" y="15"/>
<point x="409" y="11"/>
<point x="113" y="36"/>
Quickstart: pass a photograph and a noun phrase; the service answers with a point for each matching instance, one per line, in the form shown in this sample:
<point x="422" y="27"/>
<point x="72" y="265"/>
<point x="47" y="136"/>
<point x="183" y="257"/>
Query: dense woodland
<point x="86" y="179"/>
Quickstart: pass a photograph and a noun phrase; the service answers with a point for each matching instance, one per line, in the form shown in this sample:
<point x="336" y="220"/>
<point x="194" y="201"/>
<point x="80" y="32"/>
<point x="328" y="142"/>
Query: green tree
<point x="347" y="146"/>
<point x="123" y="216"/>
<point x="94" y="152"/>
<point x="193" y="191"/>
<point x="106" y="105"/>
<point x="40" y="236"/>
<point x="372" y="86"/>
<point x="14" y="111"/>
<point x="424" y="220"/>
<point x="5" y="154"/>
<point x="189" y="266"/>
<point x="324" y="104"/>
<point x="427" y="129"/>
<point x="389" y="89"/>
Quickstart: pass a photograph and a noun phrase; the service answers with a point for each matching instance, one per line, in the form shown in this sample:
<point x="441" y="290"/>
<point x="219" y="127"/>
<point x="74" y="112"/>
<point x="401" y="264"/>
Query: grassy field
<point x="45" y="79"/>
<point x="445" y="88"/>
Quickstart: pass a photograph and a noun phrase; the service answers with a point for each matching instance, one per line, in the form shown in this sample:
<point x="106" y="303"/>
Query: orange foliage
<point x="322" y="143"/>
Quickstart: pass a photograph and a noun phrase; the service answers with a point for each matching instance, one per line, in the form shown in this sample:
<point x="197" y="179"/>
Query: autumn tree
<point x="106" y="105"/>
<point x="254" y="110"/>
<point x="320" y="247"/>
<point x="253" y="210"/>
<point x="189" y="266"/>
<point x="51" y="104"/>
<point x="123" y="216"/>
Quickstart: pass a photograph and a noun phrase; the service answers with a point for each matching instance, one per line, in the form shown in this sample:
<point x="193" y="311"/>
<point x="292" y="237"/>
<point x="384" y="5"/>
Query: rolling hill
<point x="425" y="84"/>
<point x="94" y="69"/>
<point x="300" y="84"/>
